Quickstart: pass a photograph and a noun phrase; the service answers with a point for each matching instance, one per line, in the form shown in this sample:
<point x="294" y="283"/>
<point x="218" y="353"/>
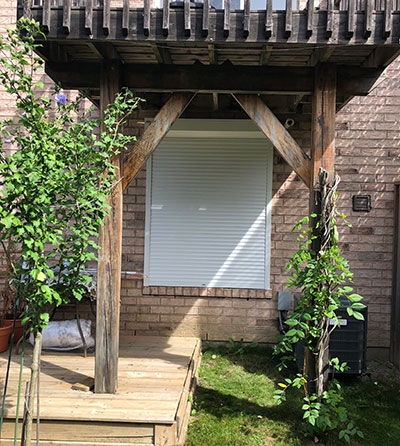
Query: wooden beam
<point x="323" y="121"/>
<point x="109" y="260"/>
<point x="215" y="101"/>
<point x="211" y="54"/>
<point x="223" y="79"/>
<point x="265" y="54"/>
<point x="153" y="135"/>
<point x="162" y="54"/>
<point x="277" y="134"/>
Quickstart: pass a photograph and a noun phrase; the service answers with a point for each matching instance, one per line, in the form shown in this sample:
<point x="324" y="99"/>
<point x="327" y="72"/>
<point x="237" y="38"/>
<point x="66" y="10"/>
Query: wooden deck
<point x="156" y="375"/>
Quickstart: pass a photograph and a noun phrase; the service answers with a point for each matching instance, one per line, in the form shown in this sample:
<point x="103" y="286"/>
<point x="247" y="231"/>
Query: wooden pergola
<point x="271" y="66"/>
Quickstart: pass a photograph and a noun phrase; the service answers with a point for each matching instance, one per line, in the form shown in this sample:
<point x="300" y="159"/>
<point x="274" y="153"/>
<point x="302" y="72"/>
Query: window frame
<point x="186" y="128"/>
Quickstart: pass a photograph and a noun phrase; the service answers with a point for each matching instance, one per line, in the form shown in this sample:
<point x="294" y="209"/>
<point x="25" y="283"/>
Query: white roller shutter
<point x="207" y="214"/>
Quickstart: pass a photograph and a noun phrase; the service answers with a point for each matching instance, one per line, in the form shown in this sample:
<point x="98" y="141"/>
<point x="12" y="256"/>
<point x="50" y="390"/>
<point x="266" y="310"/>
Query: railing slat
<point x="350" y="18"/>
<point x="26" y="7"/>
<point x="268" y="19"/>
<point x="125" y="17"/>
<point x="388" y="17"/>
<point x="106" y="16"/>
<point x="146" y="17"/>
<point x="67" y="15"/>
<point x="246" y="18"/>
<point x="89" y="16"/>
<point x="186" y="13"/>
<point x="165" y="17"/>
<point x="329" y="19"/>
<point x="288" y="17"/>
<point x="46" y="15"/>
<point x="310" y="17"/>
<point x="227" y="16"/>
<point x="206" y="16"/>
<point x="369" y="6"/>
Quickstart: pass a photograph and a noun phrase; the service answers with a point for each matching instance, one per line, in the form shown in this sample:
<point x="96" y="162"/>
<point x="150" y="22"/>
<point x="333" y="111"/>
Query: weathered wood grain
<point x="89" y="16"/>
<point x="288" y="18"/>
<point x="329" y="18"/>
<point x="106" y="17"/>
<point x="165" y="19"/>
<point x="350" y="18"/>
<point x="146" y="17"/>
<point x="109" y="260"/>
<point x="153" y="135"/>
<point x="215" y="78"/>
<point x="268" y="19"/>
<point x="246" y="18"/>
<point x="67" y="16"/>
<point x="227" y="17"/>
<point x="323" y="121"/>
<point x="46" y="16"/>
<point x="206" y="17"/>
<point x="388" y="17"/>
<point x="310" y="17"/>
<point x="369" y="6"/>
<point x="277" y="134"/>
<point x="186" y="15"/>
<point x="125" y="16"/>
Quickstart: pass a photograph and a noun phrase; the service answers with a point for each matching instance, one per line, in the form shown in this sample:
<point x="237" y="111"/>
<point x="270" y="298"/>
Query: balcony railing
<point x="299" y="17"/>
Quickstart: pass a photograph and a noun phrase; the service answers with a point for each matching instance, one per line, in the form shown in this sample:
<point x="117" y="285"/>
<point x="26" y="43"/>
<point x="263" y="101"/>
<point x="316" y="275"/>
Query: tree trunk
<point x="37" y="347"/>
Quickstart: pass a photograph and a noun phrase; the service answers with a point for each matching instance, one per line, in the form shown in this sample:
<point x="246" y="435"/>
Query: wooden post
<point x="323" y="121"/>
<point x="109" y="263"/>
<point x="322" y="156"/>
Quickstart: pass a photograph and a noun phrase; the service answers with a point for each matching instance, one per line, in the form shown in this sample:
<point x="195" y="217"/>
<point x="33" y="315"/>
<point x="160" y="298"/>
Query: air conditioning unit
<point x="348" y="342"/>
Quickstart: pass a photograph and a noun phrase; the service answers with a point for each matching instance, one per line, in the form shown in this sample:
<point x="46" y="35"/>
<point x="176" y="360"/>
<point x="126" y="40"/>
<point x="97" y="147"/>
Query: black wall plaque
<point x="362" y="203"/>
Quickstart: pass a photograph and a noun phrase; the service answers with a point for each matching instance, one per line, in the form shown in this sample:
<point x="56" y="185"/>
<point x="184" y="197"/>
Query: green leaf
<point x="358" y="316"/>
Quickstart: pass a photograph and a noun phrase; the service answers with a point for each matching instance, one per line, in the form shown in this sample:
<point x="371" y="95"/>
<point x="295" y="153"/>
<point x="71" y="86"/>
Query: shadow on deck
<point x="151" y="407"/>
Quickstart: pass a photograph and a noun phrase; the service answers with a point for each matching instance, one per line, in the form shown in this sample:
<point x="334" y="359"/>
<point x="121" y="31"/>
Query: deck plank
<point x="152" y="377"/>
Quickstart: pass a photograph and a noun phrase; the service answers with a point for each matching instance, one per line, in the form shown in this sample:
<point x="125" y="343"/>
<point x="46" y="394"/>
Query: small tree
<point x="321" y="273"/>
<point x="54" y="187"/>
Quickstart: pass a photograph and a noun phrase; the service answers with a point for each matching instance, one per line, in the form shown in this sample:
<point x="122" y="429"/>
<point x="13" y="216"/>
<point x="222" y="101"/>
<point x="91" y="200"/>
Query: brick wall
<point x="368" y="162"/>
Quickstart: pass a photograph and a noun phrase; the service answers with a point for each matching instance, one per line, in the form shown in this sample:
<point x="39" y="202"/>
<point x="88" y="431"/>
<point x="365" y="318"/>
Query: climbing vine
<point x="322" y="274"/>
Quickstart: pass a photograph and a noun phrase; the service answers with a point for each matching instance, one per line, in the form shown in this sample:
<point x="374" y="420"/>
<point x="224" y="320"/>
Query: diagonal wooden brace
<point x="153" y="135"/>
<point x="272" y="128"/>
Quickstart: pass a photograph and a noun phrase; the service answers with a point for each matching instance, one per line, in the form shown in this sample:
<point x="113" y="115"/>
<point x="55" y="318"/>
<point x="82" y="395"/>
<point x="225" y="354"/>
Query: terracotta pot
<point x="19" y="329"/>
<point x="5" y="332"/>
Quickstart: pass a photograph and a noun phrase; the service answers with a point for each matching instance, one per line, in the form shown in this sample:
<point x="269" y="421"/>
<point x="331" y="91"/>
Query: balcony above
<point x="191" y="46"/>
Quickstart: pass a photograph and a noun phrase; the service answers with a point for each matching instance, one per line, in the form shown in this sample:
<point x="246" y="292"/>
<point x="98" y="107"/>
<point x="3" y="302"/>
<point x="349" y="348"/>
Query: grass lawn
<point x="233" y="404"/>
